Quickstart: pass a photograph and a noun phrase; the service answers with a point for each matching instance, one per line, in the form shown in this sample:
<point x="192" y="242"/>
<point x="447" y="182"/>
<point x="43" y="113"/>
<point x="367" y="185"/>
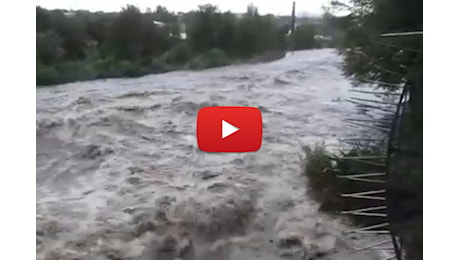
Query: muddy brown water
<point x="119" y="175"/>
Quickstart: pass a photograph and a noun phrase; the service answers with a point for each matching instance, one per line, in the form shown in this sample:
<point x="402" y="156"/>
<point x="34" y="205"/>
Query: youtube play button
<point x="229" y="129"/>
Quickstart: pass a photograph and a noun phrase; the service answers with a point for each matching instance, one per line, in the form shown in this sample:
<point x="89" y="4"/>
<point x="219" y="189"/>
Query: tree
<point x="162" y="14"/>
<point x="365" y="52"/>
<point x="134" y="36"/>
<point x="126" y="33"/>
<point x="256" y="33"/>
<point x="394" y="61"/>
<point x="304" y="37"/>
<point x="203" y="29"/>
<point x="49" y="48"/>
<point x="43" y="19"/>
<point x="252" y="10"/>
<point x="114" y="43"/>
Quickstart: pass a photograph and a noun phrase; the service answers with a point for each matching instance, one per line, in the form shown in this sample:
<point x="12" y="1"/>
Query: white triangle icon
<point x="228" y="129"/>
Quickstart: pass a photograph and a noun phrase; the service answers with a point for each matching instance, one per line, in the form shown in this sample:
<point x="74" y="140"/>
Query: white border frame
<point x="441" y="130"/>
<point x="17" y="109"/>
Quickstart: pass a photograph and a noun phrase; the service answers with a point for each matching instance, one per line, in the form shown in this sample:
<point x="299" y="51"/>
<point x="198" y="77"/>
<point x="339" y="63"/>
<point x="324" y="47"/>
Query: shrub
<point x="131" y="69"/>
<point x="111" y="68"/>
<point x="107" y="68"/>
<point x="75" y="70"/>
<point x="326" y="187"/>
<point x="318" y="170"/>
<point x="178" y="55"/>
<point x="212" y="58"/>
<point x="46" y="75"/>
<point x="104" y="64"/>
<point x="64" y="72"/>
<point x="159" y="66"/>
<point x="304" y="37"/>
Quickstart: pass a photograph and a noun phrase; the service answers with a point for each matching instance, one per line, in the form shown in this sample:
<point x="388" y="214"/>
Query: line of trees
<point x="84" y="45"/>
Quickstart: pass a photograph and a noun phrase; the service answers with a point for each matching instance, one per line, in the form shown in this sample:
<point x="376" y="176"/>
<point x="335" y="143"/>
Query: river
<point x="119" y="175"/>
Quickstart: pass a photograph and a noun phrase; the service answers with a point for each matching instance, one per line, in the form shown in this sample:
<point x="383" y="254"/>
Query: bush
<point x="75" y="70"/>
<point x="304" y="37"/>
<point x="107" y="68"/>
<point x="64" y="72"/>
<point x="111" y="68"/>
<point x="159" y="66"/>
<point x="325" y="187"/>
<point x="69" y="71"/>
<point x="318" y="170"/>
<point x="212" y="58"/>
<point x="131" y="69"/>
<point x="46" y="75"/>
<point x="104" y="64"/>
<point x="178" y="55"/>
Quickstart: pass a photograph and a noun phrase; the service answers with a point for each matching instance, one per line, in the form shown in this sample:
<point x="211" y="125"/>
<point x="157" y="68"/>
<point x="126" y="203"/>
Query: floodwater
<point x="119" y="175"/>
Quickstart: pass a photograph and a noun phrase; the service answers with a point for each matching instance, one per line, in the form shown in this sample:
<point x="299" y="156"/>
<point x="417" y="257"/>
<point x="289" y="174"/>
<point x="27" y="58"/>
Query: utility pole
<point x="291" y="41"/>
<point x="293" y="18"/>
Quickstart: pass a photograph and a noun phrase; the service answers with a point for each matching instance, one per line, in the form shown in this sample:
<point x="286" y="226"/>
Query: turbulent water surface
<point x="119" y="175"/>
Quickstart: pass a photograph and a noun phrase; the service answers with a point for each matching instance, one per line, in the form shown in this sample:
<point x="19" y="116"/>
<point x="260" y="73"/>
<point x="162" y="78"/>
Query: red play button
<point x="229" y="129"/>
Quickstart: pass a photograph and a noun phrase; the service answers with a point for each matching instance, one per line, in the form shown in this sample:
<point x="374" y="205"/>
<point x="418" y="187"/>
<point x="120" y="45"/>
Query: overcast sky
<point x="276" y="7"/>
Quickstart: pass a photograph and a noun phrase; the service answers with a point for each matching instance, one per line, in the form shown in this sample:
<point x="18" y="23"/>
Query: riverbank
<point x="68" y="72"/>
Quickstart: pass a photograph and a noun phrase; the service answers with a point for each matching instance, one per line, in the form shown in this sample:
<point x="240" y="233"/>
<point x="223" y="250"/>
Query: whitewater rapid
<point x="119" y="174"/>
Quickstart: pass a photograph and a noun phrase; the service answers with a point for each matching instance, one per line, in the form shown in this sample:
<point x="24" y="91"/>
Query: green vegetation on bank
<point x="326" y="187"/>
<point x="390" y="62"/>
<point x="83" y="45"/>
